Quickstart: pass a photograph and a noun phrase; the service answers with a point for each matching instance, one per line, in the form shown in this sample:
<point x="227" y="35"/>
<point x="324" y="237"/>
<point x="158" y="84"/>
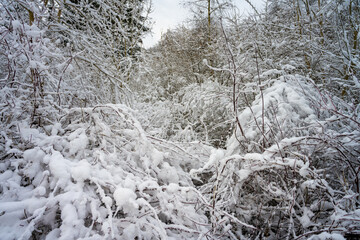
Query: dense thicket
<point x="286" y="80"/>
<point x="229" y="128"/>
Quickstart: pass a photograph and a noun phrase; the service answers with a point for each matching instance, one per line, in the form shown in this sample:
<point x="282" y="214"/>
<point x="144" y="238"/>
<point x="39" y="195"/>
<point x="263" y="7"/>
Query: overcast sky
<point x="167" y="14"/>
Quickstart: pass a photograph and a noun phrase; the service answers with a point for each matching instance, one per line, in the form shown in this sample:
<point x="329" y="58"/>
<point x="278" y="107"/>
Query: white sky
<point x="167" y="14"/>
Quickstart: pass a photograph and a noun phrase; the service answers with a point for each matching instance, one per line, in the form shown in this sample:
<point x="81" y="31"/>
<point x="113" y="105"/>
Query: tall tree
<point x="116" y="25"/>
<point x="209" y="10"/>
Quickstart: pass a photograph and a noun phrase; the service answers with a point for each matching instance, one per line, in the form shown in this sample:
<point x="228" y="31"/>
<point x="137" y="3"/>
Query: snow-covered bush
<point x="282" y="111"/>
<point x="198" y="112"/>
<point x="69" y="171"/>
<point x="95" y="174"/>
<point x="206" y="112"/>
<point x="280" y="177"/>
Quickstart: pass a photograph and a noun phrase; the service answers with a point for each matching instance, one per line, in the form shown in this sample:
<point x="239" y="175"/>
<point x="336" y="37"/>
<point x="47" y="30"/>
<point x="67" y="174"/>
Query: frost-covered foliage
<point x="282" y="111"/>
<point x="35" y="59"/>
<point x="291" y="168"/>
<point x="206" y="111"/>
<point x="69" y="171"/>
<point x="95" y="174"/>
<point x="319" y="37"/>
<point x="293" y="172"/>
<point x="196" y="113"/>
<point x="60" y="48"/>
<point x="278" y="91"/>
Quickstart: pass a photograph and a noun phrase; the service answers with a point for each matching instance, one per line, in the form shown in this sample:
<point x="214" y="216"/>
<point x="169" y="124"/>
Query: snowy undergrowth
<point x="68" y="172"/>
<point x="198" y="112"/>
<point x="96" y="175"/>
<point x="277" y="177"/>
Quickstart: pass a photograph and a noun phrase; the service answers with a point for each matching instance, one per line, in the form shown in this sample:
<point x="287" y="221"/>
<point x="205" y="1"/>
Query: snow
<point x="254" y="156"/>
<point x="288" y="67"/>
<point x="243" y="174"/>
<point x="59" y="168"/>
<point x="327" y="236"/>
<point x="34" y="156"/>
<point x="107" y="200"/>
<point x="150" y="149"/>
<point x="125" y="199"/>
<point x="40" y="191"/>
<point x="305" y="219"/>
<point x="148" y="184"/>
<point x="356" y="81"/>
<point x="168" y="173"/>
<point x="172" y="187"/>
<point x="285" y="104"/>
<point x="56" y="128"/>
<point x="78" y="142"/>
<point x="53" y="235"/>
<point x="6" y="175"/>
<point x="16" y="24"/>
<point x="157" y="157"/>
<point x="33" y="31"/>
<point x="69" y="214"/>
<point x="272" y="72"/>
<point x="81" y="171"/>
<point x="215" y="157"/>
<point x="304" y="169"/>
